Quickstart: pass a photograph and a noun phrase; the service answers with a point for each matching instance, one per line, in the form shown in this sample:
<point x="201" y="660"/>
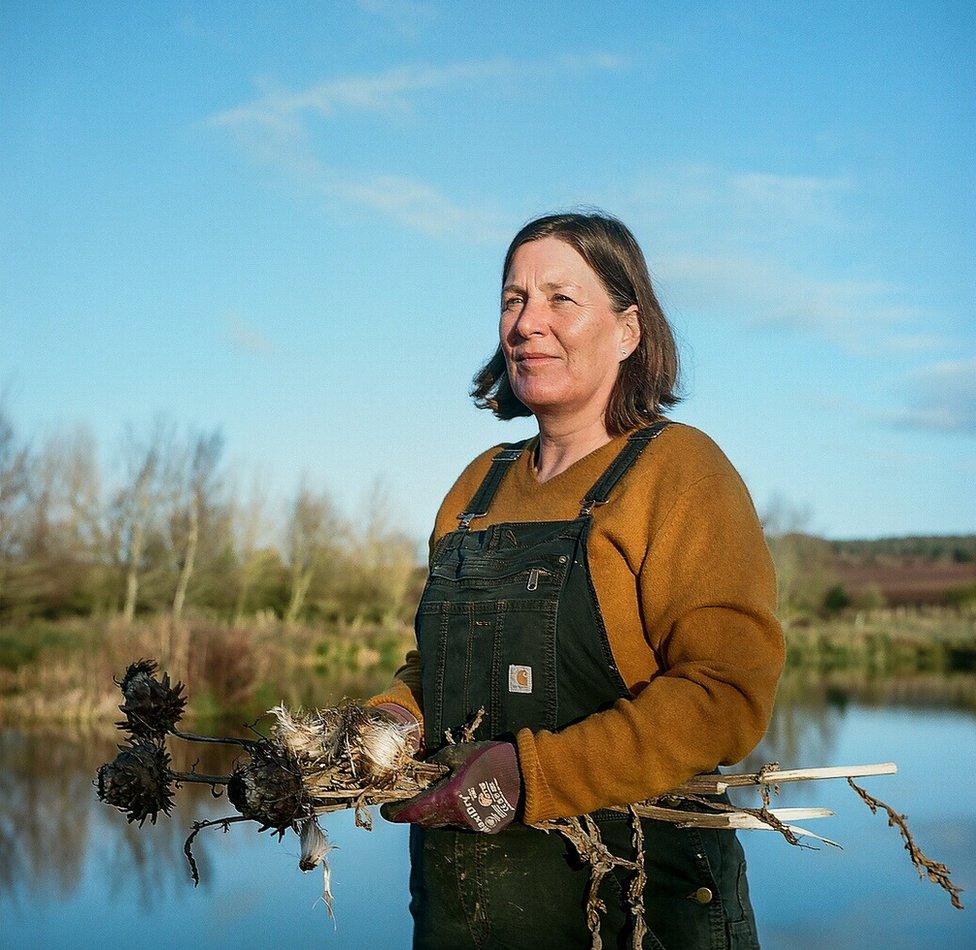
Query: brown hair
<point x="648" y="378"/>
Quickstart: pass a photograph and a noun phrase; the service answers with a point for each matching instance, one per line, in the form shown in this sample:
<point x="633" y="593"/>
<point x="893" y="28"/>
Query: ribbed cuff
<point x="539" y="804"/>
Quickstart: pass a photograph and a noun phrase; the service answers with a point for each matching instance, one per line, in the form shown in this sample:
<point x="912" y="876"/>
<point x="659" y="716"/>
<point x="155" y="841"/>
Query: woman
<point x="604" y="592"/>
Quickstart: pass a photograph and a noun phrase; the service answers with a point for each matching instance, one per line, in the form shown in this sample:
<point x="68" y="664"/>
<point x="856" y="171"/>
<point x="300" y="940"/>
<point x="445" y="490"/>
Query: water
<point x="74" y="874"/>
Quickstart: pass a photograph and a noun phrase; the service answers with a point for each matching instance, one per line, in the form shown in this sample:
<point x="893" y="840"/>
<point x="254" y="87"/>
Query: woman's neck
<point x="563" y="442"/>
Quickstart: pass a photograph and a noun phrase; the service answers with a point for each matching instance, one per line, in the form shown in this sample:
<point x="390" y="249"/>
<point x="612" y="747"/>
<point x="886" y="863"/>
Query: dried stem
<point x="191" y="737"/>
<point x="201" y="779"/>
<point x="936" y="871"/>
<point x="198" y="826"/>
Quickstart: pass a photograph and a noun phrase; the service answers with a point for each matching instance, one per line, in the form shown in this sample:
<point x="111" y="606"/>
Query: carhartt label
<point x="519" y="679"/>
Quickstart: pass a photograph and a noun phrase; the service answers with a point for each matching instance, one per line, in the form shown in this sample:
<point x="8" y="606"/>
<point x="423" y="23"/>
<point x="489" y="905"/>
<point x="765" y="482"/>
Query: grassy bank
<point x="886" y="641"/>
<point x="62" y="672"/>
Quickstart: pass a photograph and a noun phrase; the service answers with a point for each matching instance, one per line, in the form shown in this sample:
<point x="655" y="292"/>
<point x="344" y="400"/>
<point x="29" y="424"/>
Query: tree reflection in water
<point x="52" y="826"/>
<point x="51" y="822"/>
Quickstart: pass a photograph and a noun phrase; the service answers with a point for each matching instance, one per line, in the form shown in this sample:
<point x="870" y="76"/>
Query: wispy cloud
<point x="748" y="245"/>
<point x="944" y="398"/>
<point x="391" y="90"/>
<point x="274" y="130"/>
<point x="246" y="337"/>
<point x="407" y="17"/>
<point x="763" y="291"/>
<point x="915" y="343"/>
<point x="735" y="208"/>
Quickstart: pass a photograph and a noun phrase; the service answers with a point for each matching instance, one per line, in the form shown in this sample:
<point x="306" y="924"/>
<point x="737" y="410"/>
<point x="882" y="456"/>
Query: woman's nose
<point x="534" y="317"/>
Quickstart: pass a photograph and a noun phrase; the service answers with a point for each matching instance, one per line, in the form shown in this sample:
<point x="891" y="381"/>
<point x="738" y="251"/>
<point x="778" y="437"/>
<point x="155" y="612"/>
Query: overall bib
<point x="509" y="621"/>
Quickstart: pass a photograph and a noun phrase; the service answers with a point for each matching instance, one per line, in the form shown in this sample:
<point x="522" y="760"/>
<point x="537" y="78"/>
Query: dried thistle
<point x="347" y="746"/>
<point x="306" y="738"/>
<point x="268" y="789"/>
<point x="152" y="706"/>
<point x="380" y="748"/>
<point x="138" y="781"/>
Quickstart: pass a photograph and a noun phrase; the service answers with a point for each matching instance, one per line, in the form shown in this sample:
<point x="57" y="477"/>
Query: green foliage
<point x="836" y="599"/>
<point x="964" y="596"/>
<point x="26" y="645"/>
<point x="958" y="549"/>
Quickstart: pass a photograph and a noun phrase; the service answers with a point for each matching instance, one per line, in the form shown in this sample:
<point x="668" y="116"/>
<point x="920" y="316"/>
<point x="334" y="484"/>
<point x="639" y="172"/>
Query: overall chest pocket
<point x="499" y="655"/>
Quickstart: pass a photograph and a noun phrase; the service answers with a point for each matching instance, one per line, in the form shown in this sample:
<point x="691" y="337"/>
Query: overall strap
<point x="500" y="463"/>
<point x="616" y="470"/>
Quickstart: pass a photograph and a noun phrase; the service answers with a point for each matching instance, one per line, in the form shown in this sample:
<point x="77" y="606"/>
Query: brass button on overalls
<point x="703" y="895"/>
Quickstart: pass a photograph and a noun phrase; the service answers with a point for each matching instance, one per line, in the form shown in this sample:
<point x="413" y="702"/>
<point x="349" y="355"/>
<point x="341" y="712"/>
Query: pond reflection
<point x="74" y="873"/>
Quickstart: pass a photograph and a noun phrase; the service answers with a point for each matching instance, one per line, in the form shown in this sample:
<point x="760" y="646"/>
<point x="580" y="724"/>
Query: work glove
<point x="401" y="715"/>
<point x="481" y="792"/>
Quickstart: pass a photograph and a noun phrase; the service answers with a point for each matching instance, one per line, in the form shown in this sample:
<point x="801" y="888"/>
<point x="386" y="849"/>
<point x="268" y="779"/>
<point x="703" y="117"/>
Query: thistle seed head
<point x="152" y="706"/>
<point x="268" y="790"/>
<point x="138" y="781"/>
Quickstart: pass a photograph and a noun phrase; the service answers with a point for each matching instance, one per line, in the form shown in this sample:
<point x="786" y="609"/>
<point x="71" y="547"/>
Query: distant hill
<point x="909" y="570"/>
<point x="953" y="548"/>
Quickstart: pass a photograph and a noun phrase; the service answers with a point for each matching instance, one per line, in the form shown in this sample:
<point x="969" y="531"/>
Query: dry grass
<point x="63" y="672"/>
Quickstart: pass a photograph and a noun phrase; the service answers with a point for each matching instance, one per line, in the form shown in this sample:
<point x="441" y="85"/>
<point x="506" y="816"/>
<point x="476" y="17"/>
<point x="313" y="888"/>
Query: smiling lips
<point x="532" y="357"/>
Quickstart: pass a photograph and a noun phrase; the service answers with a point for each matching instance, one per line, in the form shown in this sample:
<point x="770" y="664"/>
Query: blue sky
<point x="287" y="219"/>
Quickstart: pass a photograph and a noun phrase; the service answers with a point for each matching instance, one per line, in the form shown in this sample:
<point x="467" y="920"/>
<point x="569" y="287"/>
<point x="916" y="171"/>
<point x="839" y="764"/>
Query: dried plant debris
<point x="344" y="748"/>
<point x="352" y="756"/>
<point x="315" y="849"/>
<point x="138" y="781"/>
<point x="935" y="871"/>
<point x="268" y="789"/>
<point x="152" y="707"/>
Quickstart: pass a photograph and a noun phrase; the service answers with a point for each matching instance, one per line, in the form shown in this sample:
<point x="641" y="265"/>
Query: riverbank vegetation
<point x="165" y="553"/>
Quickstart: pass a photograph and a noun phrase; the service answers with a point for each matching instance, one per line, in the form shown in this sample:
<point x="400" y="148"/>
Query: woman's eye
<point x="507" y="304"/>
<point x="562" y="297"/>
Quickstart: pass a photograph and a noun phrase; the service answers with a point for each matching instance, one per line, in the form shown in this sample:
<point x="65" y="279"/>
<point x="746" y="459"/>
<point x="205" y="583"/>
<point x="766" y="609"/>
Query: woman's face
<point x="562" y="341"/>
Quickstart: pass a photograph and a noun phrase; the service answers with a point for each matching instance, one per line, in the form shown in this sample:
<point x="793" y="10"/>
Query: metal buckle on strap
<point x="506" y="455"/>
<point x="590" y="503"/>
<point x="465" y="519"/>
<point x="648" y="432"/>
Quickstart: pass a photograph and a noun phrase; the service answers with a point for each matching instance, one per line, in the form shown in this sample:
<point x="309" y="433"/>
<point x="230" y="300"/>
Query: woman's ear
<point x="630" y="331"/>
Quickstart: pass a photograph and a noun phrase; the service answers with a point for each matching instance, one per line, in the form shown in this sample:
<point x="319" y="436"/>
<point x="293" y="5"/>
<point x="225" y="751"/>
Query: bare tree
<point x="311" y="534"/>
<point x="382" y="559"/>
<point x="804" y="568"/>
<point x="148" y="466"/>
<point x="81" y="491"/>
<point x="250" y="527"/>
<point x="14" y="468"/>
<point x="200" y="483"/>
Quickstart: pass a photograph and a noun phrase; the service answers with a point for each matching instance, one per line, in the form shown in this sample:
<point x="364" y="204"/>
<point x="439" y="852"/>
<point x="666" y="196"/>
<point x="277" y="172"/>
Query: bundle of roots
<point x="352" y="756"/>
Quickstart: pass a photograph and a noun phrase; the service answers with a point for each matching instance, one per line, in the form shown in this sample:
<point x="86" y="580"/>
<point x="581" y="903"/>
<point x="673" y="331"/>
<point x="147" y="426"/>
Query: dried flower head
<point x="384" y="748"/>
<point x="308" y="738"/>
<point x="372" y="748"/>
<point x="268" y="790"/>
<point x="138" y="781"/>
<point x="152" y="707"/>
<point x="315" y="846"/>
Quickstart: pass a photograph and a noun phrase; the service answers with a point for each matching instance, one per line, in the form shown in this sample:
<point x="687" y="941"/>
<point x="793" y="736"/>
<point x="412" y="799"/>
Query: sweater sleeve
<point x="707" y="595"/>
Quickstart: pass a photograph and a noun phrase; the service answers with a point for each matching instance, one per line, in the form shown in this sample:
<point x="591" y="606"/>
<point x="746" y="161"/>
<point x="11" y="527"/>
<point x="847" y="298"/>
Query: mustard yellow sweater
<point x="687" y="590"/>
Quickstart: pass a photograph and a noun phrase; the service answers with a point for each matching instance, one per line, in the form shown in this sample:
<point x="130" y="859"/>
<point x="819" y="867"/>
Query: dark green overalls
<point x="509" y="621"/>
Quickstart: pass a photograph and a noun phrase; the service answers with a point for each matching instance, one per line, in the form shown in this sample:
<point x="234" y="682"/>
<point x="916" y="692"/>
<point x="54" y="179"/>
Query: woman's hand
<point x="481" y="793"/>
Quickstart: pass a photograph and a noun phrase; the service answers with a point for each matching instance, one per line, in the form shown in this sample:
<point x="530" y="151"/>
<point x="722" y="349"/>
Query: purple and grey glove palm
<point x="482" y="791"/>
